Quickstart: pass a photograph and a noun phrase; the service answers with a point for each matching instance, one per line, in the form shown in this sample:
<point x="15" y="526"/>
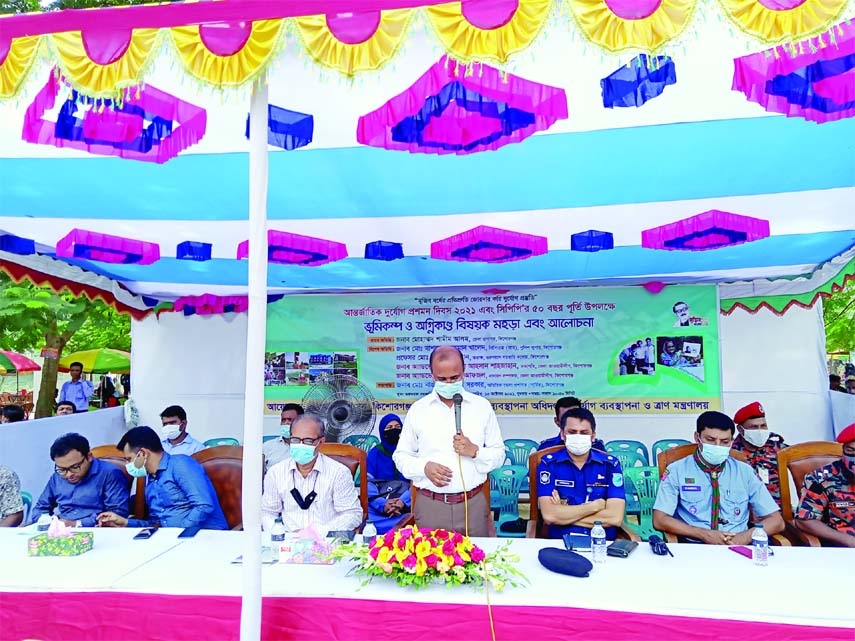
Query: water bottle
<point x="369" y="532"/>
<point x="277" y="537"/>
<point x="598" y="543"/>
<point x="760" y="542"/>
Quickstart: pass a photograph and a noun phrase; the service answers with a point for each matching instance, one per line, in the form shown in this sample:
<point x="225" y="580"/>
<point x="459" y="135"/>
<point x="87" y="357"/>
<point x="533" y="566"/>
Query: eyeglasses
<point x="72" y="469"/>
<point x="294" y="440"/>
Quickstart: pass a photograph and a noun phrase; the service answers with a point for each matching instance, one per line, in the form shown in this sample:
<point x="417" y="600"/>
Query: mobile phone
<point x="145" y="533"/>
<point x="577" y="542"/>
<point x="345" y="535"/>
<point x="741" y="549"/>
<point x="189" y="532"/>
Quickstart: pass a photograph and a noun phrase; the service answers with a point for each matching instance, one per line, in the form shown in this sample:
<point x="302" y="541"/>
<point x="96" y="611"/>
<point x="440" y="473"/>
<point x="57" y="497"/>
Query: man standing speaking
<point x="446" y="463"/>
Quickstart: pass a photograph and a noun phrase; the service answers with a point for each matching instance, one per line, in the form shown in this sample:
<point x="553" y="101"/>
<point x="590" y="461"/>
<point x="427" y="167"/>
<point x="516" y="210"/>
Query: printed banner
<point x="622" y="350"/>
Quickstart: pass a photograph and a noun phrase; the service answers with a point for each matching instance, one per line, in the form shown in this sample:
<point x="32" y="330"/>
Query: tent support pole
<point x="253" y="426"/>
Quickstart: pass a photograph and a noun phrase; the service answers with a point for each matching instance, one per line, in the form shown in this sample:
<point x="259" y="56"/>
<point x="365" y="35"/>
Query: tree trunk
<point x="47" y="390"/>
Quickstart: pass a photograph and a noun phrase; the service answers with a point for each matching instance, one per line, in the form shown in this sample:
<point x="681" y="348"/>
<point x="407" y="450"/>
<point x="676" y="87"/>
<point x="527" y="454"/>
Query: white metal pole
<point x="253" y="411"/>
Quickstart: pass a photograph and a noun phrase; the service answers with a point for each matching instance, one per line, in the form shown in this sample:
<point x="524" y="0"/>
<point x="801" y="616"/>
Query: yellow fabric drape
<point x="16" y="66"/>
<point x="611" y="32"/>
<point x="228" y="71"/>
<point x="774" y="27"/>
<point x="103" y="81"/>
<point x="465" y="42"/>
<point x="376" y="51"/>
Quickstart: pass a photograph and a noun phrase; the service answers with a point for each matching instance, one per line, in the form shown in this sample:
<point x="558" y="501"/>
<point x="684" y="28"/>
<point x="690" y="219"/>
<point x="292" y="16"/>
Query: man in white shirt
<point x="177" y="439"/>
<point x="448" y="468"/>
<point x="277" y="449"/>
<point x="309" y="488"/>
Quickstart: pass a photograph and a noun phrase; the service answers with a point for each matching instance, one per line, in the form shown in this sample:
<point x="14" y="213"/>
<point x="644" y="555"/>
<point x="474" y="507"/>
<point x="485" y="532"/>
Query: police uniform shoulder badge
<point x="544" y="477"/>
<point x="617" y="479"/>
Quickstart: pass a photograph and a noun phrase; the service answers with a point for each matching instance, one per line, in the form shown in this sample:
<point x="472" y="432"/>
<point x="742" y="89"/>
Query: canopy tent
<point x="690" y="148"/>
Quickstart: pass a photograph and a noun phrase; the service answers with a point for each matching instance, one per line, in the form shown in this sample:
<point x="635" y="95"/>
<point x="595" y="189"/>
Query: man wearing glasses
<point x="827" y="510"/>
<point x="308" y="488"/>
<point x="81" y="486"/>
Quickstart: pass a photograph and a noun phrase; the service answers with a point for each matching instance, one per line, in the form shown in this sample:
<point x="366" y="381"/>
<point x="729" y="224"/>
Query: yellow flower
<point x="423" y="549"/>
<point x="421" y="567"/>
<point x="384" y="556"/>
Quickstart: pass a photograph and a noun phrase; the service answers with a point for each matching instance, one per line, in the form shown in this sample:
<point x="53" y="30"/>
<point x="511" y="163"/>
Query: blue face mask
<point x="302" y="453"/>
<point x="133" y="470"/>
<point x="448" y="390"/>
<point x="285" y="431"/>
<point x="715" y="454"/>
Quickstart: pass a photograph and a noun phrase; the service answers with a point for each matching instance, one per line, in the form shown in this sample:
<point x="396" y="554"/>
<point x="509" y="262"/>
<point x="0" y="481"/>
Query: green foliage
<point x="839" y="317"/>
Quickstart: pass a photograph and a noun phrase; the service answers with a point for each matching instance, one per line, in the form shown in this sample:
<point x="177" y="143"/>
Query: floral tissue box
<point x="305" y="551"/>
<point x="73" y="545"/>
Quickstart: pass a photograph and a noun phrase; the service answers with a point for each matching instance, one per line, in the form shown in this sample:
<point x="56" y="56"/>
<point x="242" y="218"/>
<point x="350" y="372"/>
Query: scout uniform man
<point x="579" y="485"/>
<point x="827" y="510"/>
<point x="760" y="446"/>
<point x="705" y="497"/>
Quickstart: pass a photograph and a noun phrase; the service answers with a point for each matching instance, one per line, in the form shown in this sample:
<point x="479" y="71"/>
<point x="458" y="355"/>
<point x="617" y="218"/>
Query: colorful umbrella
<point x="15" y="363"/>
<point x="99" y="361"/>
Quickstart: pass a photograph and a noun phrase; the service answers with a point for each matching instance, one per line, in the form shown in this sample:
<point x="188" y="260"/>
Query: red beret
<point x="847" y="435"/>
<point x="754" y="410"/>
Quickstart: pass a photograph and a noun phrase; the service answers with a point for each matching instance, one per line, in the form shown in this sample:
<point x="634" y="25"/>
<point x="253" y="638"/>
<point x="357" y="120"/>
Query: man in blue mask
<point x="706" y="497"/>
<point x="448" y="467"/>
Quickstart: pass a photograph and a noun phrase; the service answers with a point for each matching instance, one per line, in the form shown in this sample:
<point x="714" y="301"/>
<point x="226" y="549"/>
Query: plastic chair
<point x="645" y="481"/>
<point x="518" y="450"/>
<point x="618" y="446"/>
<point x="224" y="440"/>
<point x="269" y="437"/>
<point x="363" y="441"/>
<point x="666" y="444"/>
<point x="629" y="459"/>
<point x="508" y="480"/>
<point x="27" y="498"/>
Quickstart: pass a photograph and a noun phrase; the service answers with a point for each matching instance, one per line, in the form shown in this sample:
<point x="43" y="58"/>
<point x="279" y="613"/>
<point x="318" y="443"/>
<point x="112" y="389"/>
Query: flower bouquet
<point x="417" y="558"/>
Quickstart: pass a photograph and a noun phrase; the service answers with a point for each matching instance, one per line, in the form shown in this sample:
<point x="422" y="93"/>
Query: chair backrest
<point x="666" y="457"/>
<point x="534" y="514"/>
<point x="224" y="466"/>
<point x="112" y="454"/>
<point x="645" y="481"/>
<point x="27" y="500"/>
<point x="508" y="481"/>
<point x="223" y="440"/>
<point x="354" y="459"/>
<point x="519" y="450"/>
<point x="269" y="437"/>
<point x="636" y="447"/>
<point x="797" y="461"/>
<point x="666" y="444"/>
<point x="363" y="441"/>
<point x="629" y="458"/>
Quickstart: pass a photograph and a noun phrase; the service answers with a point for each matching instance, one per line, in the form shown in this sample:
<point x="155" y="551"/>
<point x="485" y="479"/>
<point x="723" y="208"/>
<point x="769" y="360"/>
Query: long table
<point x="177" y="589"/>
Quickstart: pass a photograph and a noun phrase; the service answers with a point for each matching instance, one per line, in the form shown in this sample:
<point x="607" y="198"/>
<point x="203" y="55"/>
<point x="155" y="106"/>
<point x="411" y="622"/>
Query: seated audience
<point x="177" y="490"/>
<point x="11" y="503"/>
<point x="277" y="449"/>
<point x="561" y="406"/>
<point x="706" y="497"/>
<point x="63" y="408"/>
<point x="827" y="509"/>
<point x="580" y="485"/>
<point x="81" y="486"/>
<point x="177" y="439"/>
<point x="760" y="446"/>
<point x="308" y="488"/>
<point x="12" y="414"/>
<point x="388" y="490"/>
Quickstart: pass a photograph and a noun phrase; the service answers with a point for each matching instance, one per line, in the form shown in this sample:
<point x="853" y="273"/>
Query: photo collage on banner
<point x="622" y="349"/>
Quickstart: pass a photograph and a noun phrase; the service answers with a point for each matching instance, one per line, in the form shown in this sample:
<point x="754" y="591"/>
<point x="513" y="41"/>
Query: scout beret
<point x="564" y="562"/>
<point x="847" y="435"/>
<point x="752" y="410"/>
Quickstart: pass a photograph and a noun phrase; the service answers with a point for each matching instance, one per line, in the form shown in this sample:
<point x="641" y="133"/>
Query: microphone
<point x="458" y="401"/>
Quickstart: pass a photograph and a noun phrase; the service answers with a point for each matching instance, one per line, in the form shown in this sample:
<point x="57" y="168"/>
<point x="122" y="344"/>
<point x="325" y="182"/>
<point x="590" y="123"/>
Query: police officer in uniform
<point x="760" y="446"/>
<point x="827" y="510"/>
<point x="705" y="497"/>
<point x="579" y="485"/>
<point x="561" y="406"/>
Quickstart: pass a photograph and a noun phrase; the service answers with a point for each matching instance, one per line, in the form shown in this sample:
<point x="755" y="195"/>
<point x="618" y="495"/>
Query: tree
<point x="33" y="317"/>
<point x="839" y="318"/>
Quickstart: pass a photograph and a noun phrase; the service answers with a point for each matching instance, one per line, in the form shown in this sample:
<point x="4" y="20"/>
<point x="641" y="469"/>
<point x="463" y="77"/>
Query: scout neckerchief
<point x="714" y="472"/>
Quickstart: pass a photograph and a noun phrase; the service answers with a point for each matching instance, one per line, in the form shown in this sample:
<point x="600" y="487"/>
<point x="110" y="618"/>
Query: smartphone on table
<point x="145" y="533"/>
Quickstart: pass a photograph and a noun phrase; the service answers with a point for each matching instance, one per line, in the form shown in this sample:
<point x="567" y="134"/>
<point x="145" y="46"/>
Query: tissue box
<point x="74" y="545"/>
<point x="305" y="552"/>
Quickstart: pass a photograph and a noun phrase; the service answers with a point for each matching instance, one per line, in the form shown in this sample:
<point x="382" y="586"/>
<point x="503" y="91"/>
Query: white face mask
<point x="757" y="438"/>
<point x="171" y="432"/>
<point x="578" y="444"/>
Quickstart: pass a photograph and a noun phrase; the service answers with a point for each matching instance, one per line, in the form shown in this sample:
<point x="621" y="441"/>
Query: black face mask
<point x="393" y="435"/>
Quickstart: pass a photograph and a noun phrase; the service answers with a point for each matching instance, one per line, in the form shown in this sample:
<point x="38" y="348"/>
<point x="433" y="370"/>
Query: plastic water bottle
<point x="369" y="532"/>
<point x="760" y="542"/>
<point x="277" y="537"/>
<point x="598" y="543"/>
